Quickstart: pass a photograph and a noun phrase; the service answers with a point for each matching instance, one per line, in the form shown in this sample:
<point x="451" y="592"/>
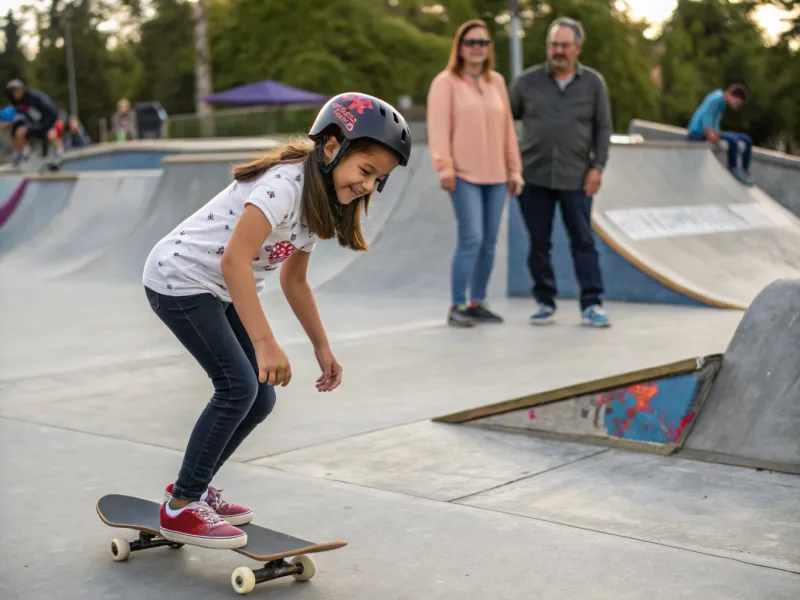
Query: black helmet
<point x="14" y="84"/>
<point x="354" y="116"/>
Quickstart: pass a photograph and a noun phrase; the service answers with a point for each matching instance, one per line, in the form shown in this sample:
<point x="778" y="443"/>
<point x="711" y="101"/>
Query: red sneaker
<point x="234" y="514"/>
<point x="199" y="525"/>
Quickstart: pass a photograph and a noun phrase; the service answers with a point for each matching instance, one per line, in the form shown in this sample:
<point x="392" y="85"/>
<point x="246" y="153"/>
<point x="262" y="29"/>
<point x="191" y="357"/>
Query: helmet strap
<point x="327" y="169"/>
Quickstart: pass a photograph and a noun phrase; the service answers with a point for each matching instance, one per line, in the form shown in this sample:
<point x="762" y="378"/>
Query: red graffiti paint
<point x="675" y="434"/>
<point x="642" y="394"/>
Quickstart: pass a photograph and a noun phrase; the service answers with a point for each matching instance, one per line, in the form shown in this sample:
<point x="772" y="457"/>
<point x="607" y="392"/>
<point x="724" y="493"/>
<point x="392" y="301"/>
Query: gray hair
<point x="576" y="27"/>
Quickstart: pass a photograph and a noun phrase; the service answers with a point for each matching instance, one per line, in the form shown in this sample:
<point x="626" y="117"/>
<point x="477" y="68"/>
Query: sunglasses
<point x="476" y="43"/>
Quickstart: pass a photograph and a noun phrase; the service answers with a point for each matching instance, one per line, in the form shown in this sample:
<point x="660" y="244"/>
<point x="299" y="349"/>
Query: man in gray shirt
<point x="567" y="129"/>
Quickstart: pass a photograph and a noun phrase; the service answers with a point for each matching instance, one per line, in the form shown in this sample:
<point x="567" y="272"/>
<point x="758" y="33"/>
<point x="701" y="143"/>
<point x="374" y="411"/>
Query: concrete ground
<point x="96" y="398"/>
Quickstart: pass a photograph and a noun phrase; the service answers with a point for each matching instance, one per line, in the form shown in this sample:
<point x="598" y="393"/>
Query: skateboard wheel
<point x="243" y="580"/>
<point x="120" y="549"/>
<point x="309" y="568"/>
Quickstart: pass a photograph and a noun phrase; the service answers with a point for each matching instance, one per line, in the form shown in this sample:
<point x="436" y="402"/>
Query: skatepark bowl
<point x="656" y="459"/>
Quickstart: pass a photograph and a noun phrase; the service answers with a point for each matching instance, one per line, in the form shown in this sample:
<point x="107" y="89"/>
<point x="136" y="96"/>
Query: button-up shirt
<point x="565" y="132"/>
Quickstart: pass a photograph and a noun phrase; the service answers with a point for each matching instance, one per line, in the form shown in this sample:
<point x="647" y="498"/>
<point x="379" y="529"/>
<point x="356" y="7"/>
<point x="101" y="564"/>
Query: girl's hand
<point x="273" y="365"/>
<point x="331" y="370"/>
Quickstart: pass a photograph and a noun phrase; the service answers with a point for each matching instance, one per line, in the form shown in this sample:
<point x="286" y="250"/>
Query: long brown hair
<point x="456" y="64"/>
<point x="325" y="216"/>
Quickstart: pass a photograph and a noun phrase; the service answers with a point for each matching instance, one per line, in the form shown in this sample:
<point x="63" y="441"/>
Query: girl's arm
<point x="237" y="260"/>
<point x="251" y="230"/>
<point x="300" y="297"/>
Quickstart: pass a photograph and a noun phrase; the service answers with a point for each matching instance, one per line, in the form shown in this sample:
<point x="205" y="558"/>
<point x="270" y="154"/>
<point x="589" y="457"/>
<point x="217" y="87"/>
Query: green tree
<point x="49" y="68"/>
<point x="12" y="61"/>
<point x="337" y="45"/>
<point x="712" y="44"/>
<point x="166" y="54"/>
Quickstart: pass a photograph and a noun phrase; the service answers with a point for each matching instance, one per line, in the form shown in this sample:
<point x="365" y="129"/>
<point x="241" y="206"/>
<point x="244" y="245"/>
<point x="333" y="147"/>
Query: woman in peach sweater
<point x="474" y="149"/>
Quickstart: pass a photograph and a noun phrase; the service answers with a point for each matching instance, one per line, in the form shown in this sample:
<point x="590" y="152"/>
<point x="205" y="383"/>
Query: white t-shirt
<point x="188" y="259"/>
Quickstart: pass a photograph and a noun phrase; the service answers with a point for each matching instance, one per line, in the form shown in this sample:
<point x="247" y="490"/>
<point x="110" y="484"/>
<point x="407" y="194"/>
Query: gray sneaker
<point x="482" y="314"/>
<point x="459" y="317"/>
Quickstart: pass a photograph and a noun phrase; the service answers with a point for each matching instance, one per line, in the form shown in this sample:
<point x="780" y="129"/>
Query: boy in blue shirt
<point x="705" y="126"/>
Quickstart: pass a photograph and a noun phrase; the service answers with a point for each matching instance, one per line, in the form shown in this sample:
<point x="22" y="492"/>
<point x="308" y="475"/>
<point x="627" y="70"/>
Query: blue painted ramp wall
<point x="116" y="161"/>
<point x="623" y="282"/>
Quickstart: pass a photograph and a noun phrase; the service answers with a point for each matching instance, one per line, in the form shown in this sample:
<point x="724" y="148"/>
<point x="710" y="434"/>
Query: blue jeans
<point x="733" y="140"/>
<point x="478" y="209"/>
<point x="538" y="207"/>
<point x="212" y="332"/>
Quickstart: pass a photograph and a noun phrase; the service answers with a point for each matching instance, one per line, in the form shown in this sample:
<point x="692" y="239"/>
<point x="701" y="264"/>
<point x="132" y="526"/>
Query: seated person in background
<point x="705" y="126"/>
<point x="74" y="136"/>
<point x="124" y="123"/>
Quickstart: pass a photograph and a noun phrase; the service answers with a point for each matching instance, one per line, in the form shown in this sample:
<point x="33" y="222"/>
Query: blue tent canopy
<point x="265" y="92"/>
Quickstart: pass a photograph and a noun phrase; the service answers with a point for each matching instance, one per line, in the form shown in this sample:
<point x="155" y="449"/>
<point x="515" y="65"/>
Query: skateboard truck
<point x="244" y="579"/>
<point x="121" y="548"/>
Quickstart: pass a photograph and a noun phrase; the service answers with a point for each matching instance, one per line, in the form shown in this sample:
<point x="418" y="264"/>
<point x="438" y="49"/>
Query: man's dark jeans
<point x="538" y="206"/>
<point x="212" y="332"/>
<point x="733" y="139"/>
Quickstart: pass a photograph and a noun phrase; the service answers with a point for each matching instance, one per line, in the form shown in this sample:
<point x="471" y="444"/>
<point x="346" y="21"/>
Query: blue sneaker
<point x="595" y="316"/>
<point x="543" y="316"/>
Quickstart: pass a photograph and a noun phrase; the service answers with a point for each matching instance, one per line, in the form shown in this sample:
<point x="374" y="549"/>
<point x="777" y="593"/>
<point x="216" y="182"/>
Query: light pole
<point x="73" y="88"/>
<point x="515" y="39"/>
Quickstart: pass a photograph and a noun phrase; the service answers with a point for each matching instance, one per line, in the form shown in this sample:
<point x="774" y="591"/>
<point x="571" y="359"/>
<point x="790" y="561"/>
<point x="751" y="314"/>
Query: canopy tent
<point x="265" y="92"/>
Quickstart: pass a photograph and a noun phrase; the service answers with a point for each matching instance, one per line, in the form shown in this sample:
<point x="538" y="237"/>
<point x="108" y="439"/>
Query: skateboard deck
<point x="263" y="545"/>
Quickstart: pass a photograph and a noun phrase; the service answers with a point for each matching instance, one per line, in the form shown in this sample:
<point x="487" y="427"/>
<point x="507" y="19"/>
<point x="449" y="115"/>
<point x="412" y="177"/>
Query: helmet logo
<point x="358" y="103"/>
<point x="345" y="116"/>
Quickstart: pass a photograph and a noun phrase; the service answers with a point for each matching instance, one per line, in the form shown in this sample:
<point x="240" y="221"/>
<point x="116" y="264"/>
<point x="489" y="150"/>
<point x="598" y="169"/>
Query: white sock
<point x="174" y="512"/>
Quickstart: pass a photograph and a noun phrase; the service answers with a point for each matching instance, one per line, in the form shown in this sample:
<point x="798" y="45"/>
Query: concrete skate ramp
<point x="186" y="184"/>
<point x="102" y="209"/>
<point x="411" y="256"/>
<point x="752" y="415"/>
<point x="675" y="227"/>
<point x="777" y="173"/>
<point x="12" y="189"/>
<point x="650" y="409"/>
<point x="44" y="198"/>
<point x="189" y="182"/>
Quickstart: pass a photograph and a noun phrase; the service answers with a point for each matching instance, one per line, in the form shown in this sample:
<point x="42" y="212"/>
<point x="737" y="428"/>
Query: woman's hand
<point x="331" y="370"/>
<point x="273" y="365"/>
<point x="515" y="185"/>
<point x="448" y="183"/>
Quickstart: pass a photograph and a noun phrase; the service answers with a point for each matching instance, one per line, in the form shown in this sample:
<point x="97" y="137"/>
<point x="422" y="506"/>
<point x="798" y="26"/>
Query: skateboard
<point x="263" y="545"/>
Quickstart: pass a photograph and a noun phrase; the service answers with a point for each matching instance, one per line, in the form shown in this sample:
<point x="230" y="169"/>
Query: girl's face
<point x="359" y="173"/>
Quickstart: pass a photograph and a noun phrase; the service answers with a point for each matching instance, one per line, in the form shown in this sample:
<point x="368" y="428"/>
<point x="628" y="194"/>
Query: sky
<point x="655" y="11"/>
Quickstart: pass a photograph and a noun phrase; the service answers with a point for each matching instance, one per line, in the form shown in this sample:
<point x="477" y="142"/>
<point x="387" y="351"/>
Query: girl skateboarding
<point x="203" y="279"/>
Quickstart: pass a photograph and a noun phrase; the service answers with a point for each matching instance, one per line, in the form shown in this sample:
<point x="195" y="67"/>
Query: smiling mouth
<point x="356" y="193"/>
